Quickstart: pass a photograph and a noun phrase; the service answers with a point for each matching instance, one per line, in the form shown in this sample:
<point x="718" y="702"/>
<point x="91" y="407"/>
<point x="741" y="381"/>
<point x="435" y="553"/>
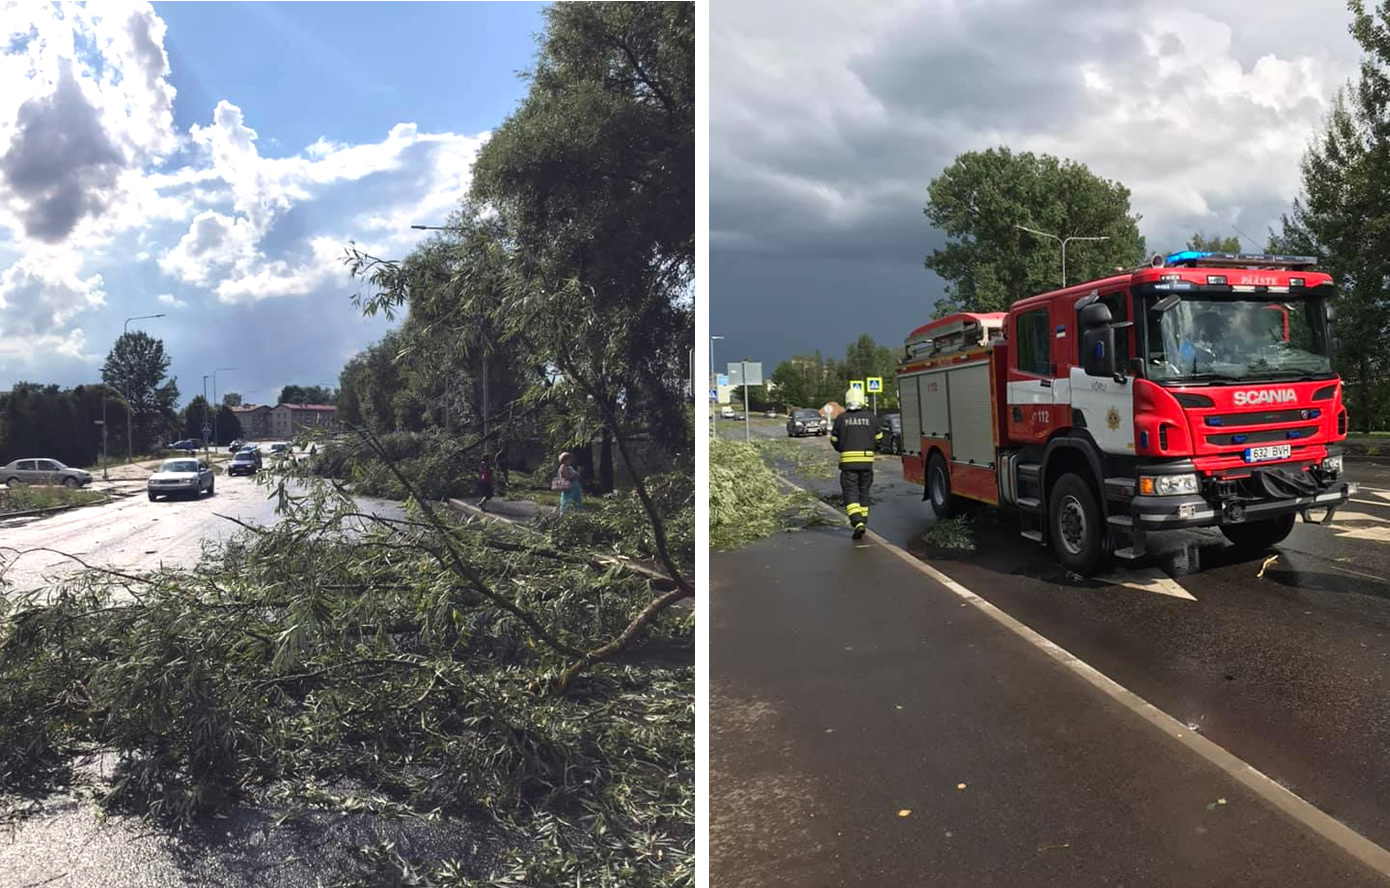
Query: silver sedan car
<point x="43" y="471"/>
<point x="181" y="477"/>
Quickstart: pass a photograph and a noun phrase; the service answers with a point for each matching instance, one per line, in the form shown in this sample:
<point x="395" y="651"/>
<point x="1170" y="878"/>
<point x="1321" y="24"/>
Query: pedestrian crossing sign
<point x="856" y="384"/>
<point x="875" y="383"/>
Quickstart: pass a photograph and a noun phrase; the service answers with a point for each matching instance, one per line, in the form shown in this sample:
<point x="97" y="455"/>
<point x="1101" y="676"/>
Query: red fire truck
<point x="1195" y="391"/>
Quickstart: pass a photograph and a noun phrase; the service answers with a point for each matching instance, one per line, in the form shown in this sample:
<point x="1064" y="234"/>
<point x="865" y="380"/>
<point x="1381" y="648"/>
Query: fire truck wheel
<point x="939" y="486"/>
<point x="1257" y="535"/>
<point x="1075" y="524"/>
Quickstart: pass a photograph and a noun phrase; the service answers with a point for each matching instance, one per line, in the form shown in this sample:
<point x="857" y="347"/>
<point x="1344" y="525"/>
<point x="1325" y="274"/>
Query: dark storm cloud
<point x="60" y="163"/>
<point x="826" y="129"/>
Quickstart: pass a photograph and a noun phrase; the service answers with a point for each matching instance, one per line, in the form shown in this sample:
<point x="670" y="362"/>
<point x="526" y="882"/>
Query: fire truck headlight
<point x="1332" y="464"/>
<point x="1168" y="485"/>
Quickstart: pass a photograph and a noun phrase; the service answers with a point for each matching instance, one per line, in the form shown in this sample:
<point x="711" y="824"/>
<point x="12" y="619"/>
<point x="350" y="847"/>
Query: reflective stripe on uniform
<point x="856" y="456"/>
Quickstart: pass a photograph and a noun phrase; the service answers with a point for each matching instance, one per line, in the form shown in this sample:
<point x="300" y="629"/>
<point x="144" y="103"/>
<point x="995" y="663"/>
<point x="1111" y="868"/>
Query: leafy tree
<point x="1340" y="216"/>
<point x="988" y="263"/>
<point x="136" y="367"/>
<point x="1214" y="243"/>
<point x="307" y="394"/>
<point x="228" y="425"/>
<point x="194" y="415"/>
<point x="232" y="399"/>
<point x="594" y="176"/>
<point x="584" y="267"/>
<point x="792" y="387"/>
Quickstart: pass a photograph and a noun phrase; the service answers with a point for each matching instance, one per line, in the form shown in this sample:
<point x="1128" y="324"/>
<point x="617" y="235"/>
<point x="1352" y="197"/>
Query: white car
<point x="180" y="477"/>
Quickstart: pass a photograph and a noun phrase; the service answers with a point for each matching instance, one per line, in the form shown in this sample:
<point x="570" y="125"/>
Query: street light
<point x="214" y="397"/>
<point x="129" y="415"/>
<point x="205" y="411"/>
<point x="714" y="403"/>
<point x="1061" y="240"/>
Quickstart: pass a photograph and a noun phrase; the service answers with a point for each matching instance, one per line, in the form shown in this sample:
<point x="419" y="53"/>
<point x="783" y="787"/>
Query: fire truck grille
<point x="1265" y="417"/>
<point x="1240" y="439"/>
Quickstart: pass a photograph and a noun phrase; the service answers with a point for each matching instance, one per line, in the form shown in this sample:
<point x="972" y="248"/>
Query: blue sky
<point x="210" y="161"/>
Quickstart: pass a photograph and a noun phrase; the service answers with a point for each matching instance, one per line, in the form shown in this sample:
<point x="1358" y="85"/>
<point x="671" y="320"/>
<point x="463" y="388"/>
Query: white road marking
<point x="1357" y="516"/>
<point x="1150" y="580"/>
<point x="1294" y="806"/>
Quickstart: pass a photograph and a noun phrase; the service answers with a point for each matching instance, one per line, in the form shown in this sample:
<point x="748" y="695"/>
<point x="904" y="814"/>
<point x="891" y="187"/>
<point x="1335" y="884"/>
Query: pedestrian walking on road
<point x="484" y="481"/>
<point x="567" y="482"/>
<point x="855" y="437"/>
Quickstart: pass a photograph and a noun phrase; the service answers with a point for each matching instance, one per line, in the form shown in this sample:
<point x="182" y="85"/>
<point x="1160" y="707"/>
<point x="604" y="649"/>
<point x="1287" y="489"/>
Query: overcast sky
<point x="211" y="160"/>
<point x="828" y="118"/>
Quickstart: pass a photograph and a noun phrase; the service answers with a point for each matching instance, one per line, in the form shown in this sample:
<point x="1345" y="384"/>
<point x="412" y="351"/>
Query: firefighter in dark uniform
<point x="855" y="435"/>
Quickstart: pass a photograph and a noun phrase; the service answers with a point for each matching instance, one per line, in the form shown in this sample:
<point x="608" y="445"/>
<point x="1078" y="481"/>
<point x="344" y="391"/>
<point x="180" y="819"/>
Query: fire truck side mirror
<point x="1098" y="349"/>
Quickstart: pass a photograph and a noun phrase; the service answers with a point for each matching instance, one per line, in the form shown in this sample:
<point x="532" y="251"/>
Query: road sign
<point x="207" y="431"/>
<point x="875" y="383"/>
<point x="714" y="394"/>
<point x="752" y="370"/>
<point x="857" y="384"/>
<point x="721" y="379"/>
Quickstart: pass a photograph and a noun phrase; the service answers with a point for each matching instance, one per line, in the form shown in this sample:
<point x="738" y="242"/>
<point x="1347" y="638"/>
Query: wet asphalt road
<point x="869" y="728"/>
<point x="133" y="534"/>
<point x="1289" y="670"/>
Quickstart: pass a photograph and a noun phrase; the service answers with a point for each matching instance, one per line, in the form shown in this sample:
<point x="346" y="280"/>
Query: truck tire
<point x="1075" y="525"/>
<point x="939" y="486"/>
<point x="1259" y="535"/>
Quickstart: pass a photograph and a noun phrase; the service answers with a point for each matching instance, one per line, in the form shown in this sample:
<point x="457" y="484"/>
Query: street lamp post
<point x="714" y="403"/>
<point x="214" y="397"/>
<point x="129" y="411"/>
<point x="205" y="410"/>
<point x="1061" y="240"/>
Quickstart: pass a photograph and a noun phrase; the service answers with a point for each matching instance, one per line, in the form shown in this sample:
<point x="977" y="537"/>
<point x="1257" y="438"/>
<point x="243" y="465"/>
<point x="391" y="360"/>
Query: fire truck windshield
<point x="1223" y="336"/>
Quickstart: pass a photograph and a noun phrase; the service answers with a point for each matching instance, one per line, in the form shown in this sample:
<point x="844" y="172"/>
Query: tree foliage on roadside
<point x="1214" y="243"/>
<point x="988" y="263"/>
<point x="137" y="366"/>
<point x="48" y="421"/>
<point x="811" y="380"/>
<point x="307" y="394"/>
<point x="345" y="661"/>
<point x="1341" y="218"/>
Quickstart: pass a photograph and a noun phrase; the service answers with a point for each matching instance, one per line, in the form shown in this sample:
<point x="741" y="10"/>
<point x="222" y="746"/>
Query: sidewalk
<point x="868" y="727"/>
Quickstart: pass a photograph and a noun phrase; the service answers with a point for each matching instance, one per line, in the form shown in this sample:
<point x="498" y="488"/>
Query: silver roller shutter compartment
<point x="907" y="398"/>
<point x="936" y="420"/>
<point x="972" y="426"/>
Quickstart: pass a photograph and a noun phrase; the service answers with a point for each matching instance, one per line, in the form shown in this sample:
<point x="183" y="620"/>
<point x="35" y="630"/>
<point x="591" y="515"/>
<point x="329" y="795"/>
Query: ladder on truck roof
<point x="954" y="333"/>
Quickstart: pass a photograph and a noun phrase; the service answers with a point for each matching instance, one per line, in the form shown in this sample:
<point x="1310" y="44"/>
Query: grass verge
<point x="21" y="498"/>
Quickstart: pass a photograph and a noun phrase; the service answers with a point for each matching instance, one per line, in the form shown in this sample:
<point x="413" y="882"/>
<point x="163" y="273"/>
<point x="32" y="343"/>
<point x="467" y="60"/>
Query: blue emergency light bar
<point x="1194" y="258"/>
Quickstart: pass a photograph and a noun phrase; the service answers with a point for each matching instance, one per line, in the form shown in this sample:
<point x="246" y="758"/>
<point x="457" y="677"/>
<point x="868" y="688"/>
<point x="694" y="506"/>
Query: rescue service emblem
<point x="1112" y="419"/>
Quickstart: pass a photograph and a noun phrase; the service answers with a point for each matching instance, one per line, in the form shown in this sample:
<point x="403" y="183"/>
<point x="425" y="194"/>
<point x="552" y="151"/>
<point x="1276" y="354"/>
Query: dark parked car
<point x="247" y="462"/>
<point x="806" y="422"/>
<point x="187" y="444"/>
<point x="891" y="425"/>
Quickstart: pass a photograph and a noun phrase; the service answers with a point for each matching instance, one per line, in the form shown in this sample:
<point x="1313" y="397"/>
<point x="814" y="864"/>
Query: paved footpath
<point x="870" y="727"/>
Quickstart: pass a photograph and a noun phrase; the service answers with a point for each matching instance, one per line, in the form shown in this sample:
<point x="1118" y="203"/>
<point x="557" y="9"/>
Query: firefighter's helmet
<point x="854" y="398"/>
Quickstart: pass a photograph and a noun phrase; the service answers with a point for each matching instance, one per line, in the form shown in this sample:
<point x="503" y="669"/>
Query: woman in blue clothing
<point x="571" y="491"/>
